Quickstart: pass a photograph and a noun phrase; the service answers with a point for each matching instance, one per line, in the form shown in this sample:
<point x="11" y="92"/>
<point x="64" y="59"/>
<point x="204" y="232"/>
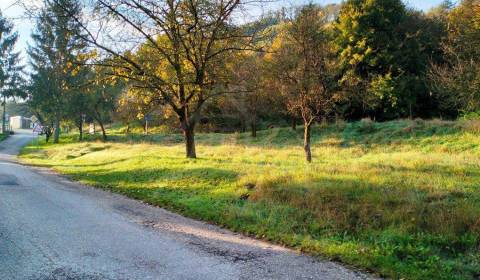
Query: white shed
<point x="19" y="122"/>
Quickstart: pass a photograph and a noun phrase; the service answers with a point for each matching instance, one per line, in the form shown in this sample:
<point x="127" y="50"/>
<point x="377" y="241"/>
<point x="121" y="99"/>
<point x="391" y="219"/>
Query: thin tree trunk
<point x="188" y="127"/>
<point x="4" y="115"/>
<point x="306" y="141"/>
<point x="294" y="123"/>
<point x="80" y="128"/>
<point x="56" y="133"/>
<point x="102" y="127"/>
<point x="254" y="125"/>
<point x="254" y="128"/>
<point x="189" y="134"/>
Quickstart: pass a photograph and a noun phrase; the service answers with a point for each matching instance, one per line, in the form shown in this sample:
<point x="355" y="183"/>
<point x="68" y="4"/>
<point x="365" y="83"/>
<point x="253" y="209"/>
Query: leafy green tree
<point x="55" y="57"/>
<point x="366" y="40"/>
<point x="11" y="80"/>
<point x="381" y="42"/>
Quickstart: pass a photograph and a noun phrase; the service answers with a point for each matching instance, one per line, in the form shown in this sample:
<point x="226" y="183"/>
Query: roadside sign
<point x="38" y="129"/>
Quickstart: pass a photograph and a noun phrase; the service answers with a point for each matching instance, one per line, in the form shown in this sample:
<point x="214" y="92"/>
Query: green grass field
<point x="400" y="198"/>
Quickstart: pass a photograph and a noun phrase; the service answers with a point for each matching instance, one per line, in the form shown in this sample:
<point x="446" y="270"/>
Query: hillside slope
<point x="399" y="198"/>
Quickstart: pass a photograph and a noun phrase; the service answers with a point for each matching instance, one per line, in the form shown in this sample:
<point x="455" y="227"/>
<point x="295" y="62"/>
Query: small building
<point x="19" y="122"/>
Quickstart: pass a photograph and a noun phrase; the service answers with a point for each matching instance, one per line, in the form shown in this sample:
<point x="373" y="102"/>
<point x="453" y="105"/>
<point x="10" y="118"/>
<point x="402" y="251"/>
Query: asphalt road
<point x="51" y="228"/>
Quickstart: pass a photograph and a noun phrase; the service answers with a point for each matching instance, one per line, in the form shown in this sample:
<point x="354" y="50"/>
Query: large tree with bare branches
<point x="173" y="48"/>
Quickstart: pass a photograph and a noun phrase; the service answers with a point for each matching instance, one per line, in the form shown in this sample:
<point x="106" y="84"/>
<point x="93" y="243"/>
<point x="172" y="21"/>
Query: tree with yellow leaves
<point x="187" y="43"/>
<point x="303" y="65"/>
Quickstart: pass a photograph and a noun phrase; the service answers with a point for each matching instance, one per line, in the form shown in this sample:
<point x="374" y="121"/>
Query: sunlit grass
<point x="399" y="198"/>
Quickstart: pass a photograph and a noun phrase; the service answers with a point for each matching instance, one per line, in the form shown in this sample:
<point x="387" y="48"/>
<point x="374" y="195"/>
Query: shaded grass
<point x="399" y="198"/>
<point x="3" y="136"/>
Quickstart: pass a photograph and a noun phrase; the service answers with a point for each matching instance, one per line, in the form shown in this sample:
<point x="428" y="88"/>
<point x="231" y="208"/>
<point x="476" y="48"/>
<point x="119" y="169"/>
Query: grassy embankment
<point x="400" y="198"/>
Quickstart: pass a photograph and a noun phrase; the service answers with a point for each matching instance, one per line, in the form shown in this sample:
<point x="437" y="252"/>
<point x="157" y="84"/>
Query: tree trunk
<point x="242" y="125"/>
<point x="128" y="129"/>
<point x="56" y="133"/>
<point x="254" y="126"/>
<point x="189" y="134"/>
<point x="102" y="127"/>
<point x="80" y="129"/>
<point x="294" y="123"/>
<point x="104" y="133"/>
<point x="4" y="115"/>
<point x="306" y="142"/>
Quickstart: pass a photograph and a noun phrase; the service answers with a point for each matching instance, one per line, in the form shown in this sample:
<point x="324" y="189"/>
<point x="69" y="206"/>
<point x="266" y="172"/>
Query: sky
<point x="25" y="26"/>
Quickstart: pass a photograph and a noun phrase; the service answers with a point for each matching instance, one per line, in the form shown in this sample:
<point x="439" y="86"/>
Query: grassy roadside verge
<point x="3" y="136"/>
<point x="399" y="198"/>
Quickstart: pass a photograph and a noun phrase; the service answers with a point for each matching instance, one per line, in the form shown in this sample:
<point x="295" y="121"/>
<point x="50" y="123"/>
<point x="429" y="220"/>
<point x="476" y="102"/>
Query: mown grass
<point x="399" y="198"/>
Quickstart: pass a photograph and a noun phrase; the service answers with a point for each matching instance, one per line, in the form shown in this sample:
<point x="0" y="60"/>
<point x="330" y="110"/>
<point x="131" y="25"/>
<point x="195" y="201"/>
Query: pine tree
<point x="55" y="57"/>
<point x="10" y="69"/>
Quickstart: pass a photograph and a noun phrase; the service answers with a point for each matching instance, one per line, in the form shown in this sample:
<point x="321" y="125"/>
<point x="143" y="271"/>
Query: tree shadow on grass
<point x="157" y="177"/>
<point x="397" y="132"/>
<point x="92" y="164"/>
<point x="429" y="169"/>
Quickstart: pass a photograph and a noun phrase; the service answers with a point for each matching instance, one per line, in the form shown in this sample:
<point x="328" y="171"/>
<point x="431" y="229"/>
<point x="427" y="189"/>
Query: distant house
<point x="19" y="122"/>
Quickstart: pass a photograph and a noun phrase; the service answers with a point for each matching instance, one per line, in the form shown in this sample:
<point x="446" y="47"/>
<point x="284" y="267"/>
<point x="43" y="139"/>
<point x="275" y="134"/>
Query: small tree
<point x="303" y="64"/>
<point x="102" y="93"/>
<point x="126" y="110"/>
<point x="250" y="98"/>
<point x="76" y="108"/>
<point x="456" y="82"/>
<point x="134" y="104"/>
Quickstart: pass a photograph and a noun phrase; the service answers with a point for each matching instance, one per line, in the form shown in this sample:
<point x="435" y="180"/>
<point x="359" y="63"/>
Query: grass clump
<point x="399" y="198"/>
